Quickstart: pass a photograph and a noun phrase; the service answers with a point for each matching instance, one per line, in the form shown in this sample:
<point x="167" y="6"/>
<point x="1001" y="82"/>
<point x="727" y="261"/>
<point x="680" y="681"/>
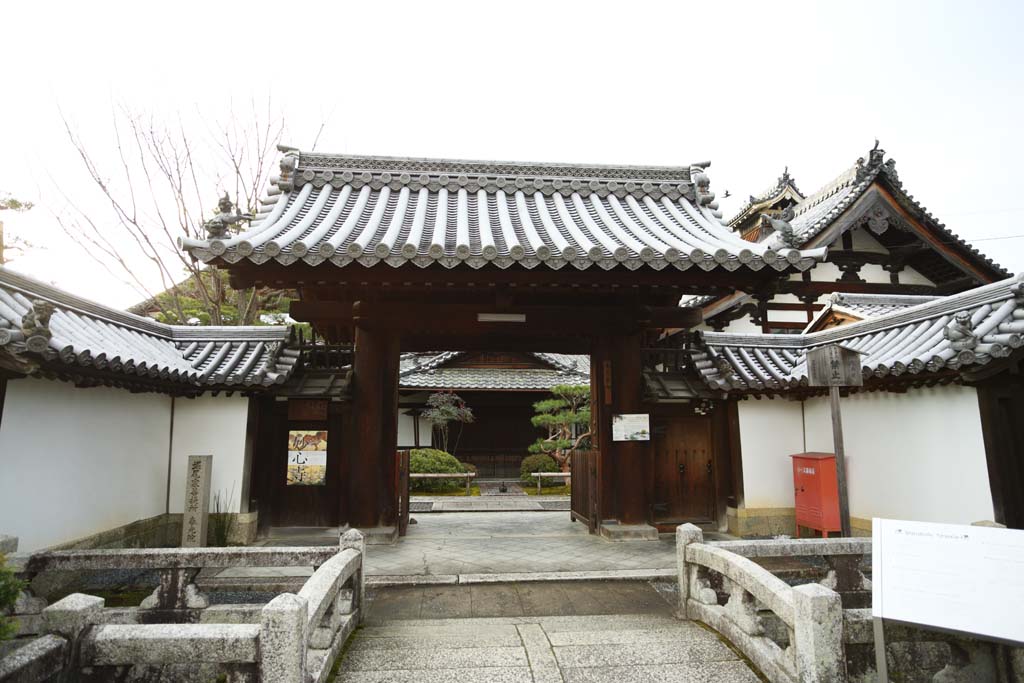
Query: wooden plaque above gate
<point x="307" y="410"/>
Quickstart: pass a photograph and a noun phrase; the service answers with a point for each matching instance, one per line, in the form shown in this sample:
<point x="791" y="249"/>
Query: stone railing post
<point x="818" y="634"/>
<point x="70" y="617"/>
<point x="685" y="535"/>
<point x="283" y="637"/>
<point x="353" y="539"/>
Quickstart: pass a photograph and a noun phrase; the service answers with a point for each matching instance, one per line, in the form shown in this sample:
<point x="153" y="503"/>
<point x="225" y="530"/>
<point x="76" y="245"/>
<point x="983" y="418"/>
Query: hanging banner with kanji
<point x="307" y="457"/>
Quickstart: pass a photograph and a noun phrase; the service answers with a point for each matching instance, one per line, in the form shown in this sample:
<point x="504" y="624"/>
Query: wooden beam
<point x="482" y="319"/>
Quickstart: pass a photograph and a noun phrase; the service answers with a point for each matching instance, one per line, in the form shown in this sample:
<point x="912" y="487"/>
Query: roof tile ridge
<point x="985" y="294"/>
<point x="845" y="179"/>
<point x="34" y="288"/>
<point x="229" y="332"/>
<point x="308" y="160"/>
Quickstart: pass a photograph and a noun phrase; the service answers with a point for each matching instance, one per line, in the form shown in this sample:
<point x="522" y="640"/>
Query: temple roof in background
<point x="783" y="189"/>
<point x="950" y="333"/>
<point x="843" y="308"/>
<point x="353" y="209"/>
<point x="815" y="214"/>
<point x="90" y="343"/>
<point x="433" y="371"/>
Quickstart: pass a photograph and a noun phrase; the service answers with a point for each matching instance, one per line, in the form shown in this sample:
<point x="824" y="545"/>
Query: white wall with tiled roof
<point x="918" y="455"/>
<point x="76" y="462"/>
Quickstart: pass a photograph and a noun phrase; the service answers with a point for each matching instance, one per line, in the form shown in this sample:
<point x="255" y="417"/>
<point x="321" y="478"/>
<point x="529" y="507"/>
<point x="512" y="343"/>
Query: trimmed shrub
<point x="539" y="463"/>
<point x="431" y="461"/>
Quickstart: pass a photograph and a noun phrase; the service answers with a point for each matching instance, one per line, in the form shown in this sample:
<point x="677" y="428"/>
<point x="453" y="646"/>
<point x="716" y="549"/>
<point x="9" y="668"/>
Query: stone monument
<point x="197" y="501"/>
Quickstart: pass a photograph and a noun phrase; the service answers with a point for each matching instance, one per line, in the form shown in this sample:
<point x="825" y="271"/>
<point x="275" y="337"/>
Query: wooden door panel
<point x="684" y="470"/>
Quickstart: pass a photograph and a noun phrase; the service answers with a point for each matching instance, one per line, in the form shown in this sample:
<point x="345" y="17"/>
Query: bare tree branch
<point x="158" y="198"/>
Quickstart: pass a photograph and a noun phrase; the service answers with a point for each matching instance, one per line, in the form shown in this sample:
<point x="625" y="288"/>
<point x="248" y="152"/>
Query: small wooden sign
<point x="834" y="366"/>
<point x="309" y="410"/>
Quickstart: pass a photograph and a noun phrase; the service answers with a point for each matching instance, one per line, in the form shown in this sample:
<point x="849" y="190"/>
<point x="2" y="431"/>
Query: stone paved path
<point x="607" y="632"/>
<point x="510" y="542"/>
<point x="499" y="503"/>
<point x="596" y="649"/>
<point x="493" y="488"/>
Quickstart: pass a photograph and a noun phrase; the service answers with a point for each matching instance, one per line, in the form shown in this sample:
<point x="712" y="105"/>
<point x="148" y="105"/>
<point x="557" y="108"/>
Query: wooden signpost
<point x="836" y="366"/>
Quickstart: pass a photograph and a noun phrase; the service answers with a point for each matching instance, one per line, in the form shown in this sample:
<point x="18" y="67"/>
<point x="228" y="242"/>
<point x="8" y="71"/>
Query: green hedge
<point x="539" y="463"/>
<point x="431" y="461"/>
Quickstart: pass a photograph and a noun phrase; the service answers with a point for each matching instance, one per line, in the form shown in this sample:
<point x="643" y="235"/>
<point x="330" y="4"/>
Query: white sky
<point x="751" y="86"/>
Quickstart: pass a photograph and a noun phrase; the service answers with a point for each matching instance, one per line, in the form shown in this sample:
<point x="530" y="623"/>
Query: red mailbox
<point x="816" y="491"/>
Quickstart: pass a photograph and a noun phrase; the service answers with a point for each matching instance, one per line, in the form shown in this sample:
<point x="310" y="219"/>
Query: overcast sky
<point x="752" y="87"/>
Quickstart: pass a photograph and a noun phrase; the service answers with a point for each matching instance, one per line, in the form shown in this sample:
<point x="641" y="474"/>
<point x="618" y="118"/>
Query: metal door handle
<point x="682" y="468"/>
<point x="709" y="467"/>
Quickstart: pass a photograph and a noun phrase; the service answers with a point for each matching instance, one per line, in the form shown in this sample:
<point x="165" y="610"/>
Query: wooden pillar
<point x="1001" y="403"/>
<point x="630" y="457"/>
<point x="601" y="427"/>
<point x="372" y="447"/>
<point x="625" y="465"/>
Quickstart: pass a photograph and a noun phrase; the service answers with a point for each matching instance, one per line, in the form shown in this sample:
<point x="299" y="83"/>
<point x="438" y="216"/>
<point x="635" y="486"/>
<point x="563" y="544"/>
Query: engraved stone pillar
<point x="197" y="501"/>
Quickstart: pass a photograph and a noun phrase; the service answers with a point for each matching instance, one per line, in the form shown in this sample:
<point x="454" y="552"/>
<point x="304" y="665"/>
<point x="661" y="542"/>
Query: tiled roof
<point x="428" y="371"/>
<point x="815" y="213"/>
<point x="346" y="209"/>
<point x="772" y="194"/>
<point x="874" y="305"/>
<point x="83" y="334"/>
<point x="926" y="338"/>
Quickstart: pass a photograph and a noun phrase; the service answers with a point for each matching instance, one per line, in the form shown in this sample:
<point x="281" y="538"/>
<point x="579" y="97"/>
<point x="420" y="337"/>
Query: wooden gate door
<point x="684" y="484"/>
<point x="402" y="491"/>
<point x="584" y="489"/>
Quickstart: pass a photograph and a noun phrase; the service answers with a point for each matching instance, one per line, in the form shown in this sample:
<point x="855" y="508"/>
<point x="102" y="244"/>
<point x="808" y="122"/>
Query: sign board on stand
<point x="961" y="579"/>
<point x="967" y="579"/>
<point x="836" y="366"/>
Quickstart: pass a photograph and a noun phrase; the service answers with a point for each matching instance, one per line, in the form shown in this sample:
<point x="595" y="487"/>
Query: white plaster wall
<point x="909" y="276"/>
<point x="770" y="431"/>
<point x="739" y="326"/>
<point x="917" y="456"/>
<point x="74" y="462"/>
<point x="826" y="272"/>
<point x="210" y="425"/>
<point x="865" y="241"/>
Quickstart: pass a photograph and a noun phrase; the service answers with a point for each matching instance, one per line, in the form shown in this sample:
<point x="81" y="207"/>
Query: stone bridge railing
<point x="810" y="647"/>
<point x="821" y="630"/>
<point x="295" y="638"/>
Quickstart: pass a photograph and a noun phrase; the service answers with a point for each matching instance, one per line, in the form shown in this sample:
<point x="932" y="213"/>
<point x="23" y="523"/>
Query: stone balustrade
<point x="811" y="649"/>
<point x="295" y="638"/>
<point x="819" y="631"/>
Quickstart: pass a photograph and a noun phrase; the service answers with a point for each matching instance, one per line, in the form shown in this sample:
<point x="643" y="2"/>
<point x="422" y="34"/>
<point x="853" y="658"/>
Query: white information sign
<point x="961" y="578"/>
<point x="631" y="427"/>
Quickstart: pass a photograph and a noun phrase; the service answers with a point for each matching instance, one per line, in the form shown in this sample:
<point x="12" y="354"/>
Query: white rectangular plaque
<point x="197" y="501"/>
<point x="954" y="577"/>
<point x="631" y="427"/>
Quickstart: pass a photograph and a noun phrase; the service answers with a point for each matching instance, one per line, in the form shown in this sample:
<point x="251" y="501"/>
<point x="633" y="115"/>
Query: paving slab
<point x="608" y="648"/>
<point x="688" y="672"/>
<point x="543" y="599"/>
<point x="447" y="658"/>
<point x="468" y="675"/>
